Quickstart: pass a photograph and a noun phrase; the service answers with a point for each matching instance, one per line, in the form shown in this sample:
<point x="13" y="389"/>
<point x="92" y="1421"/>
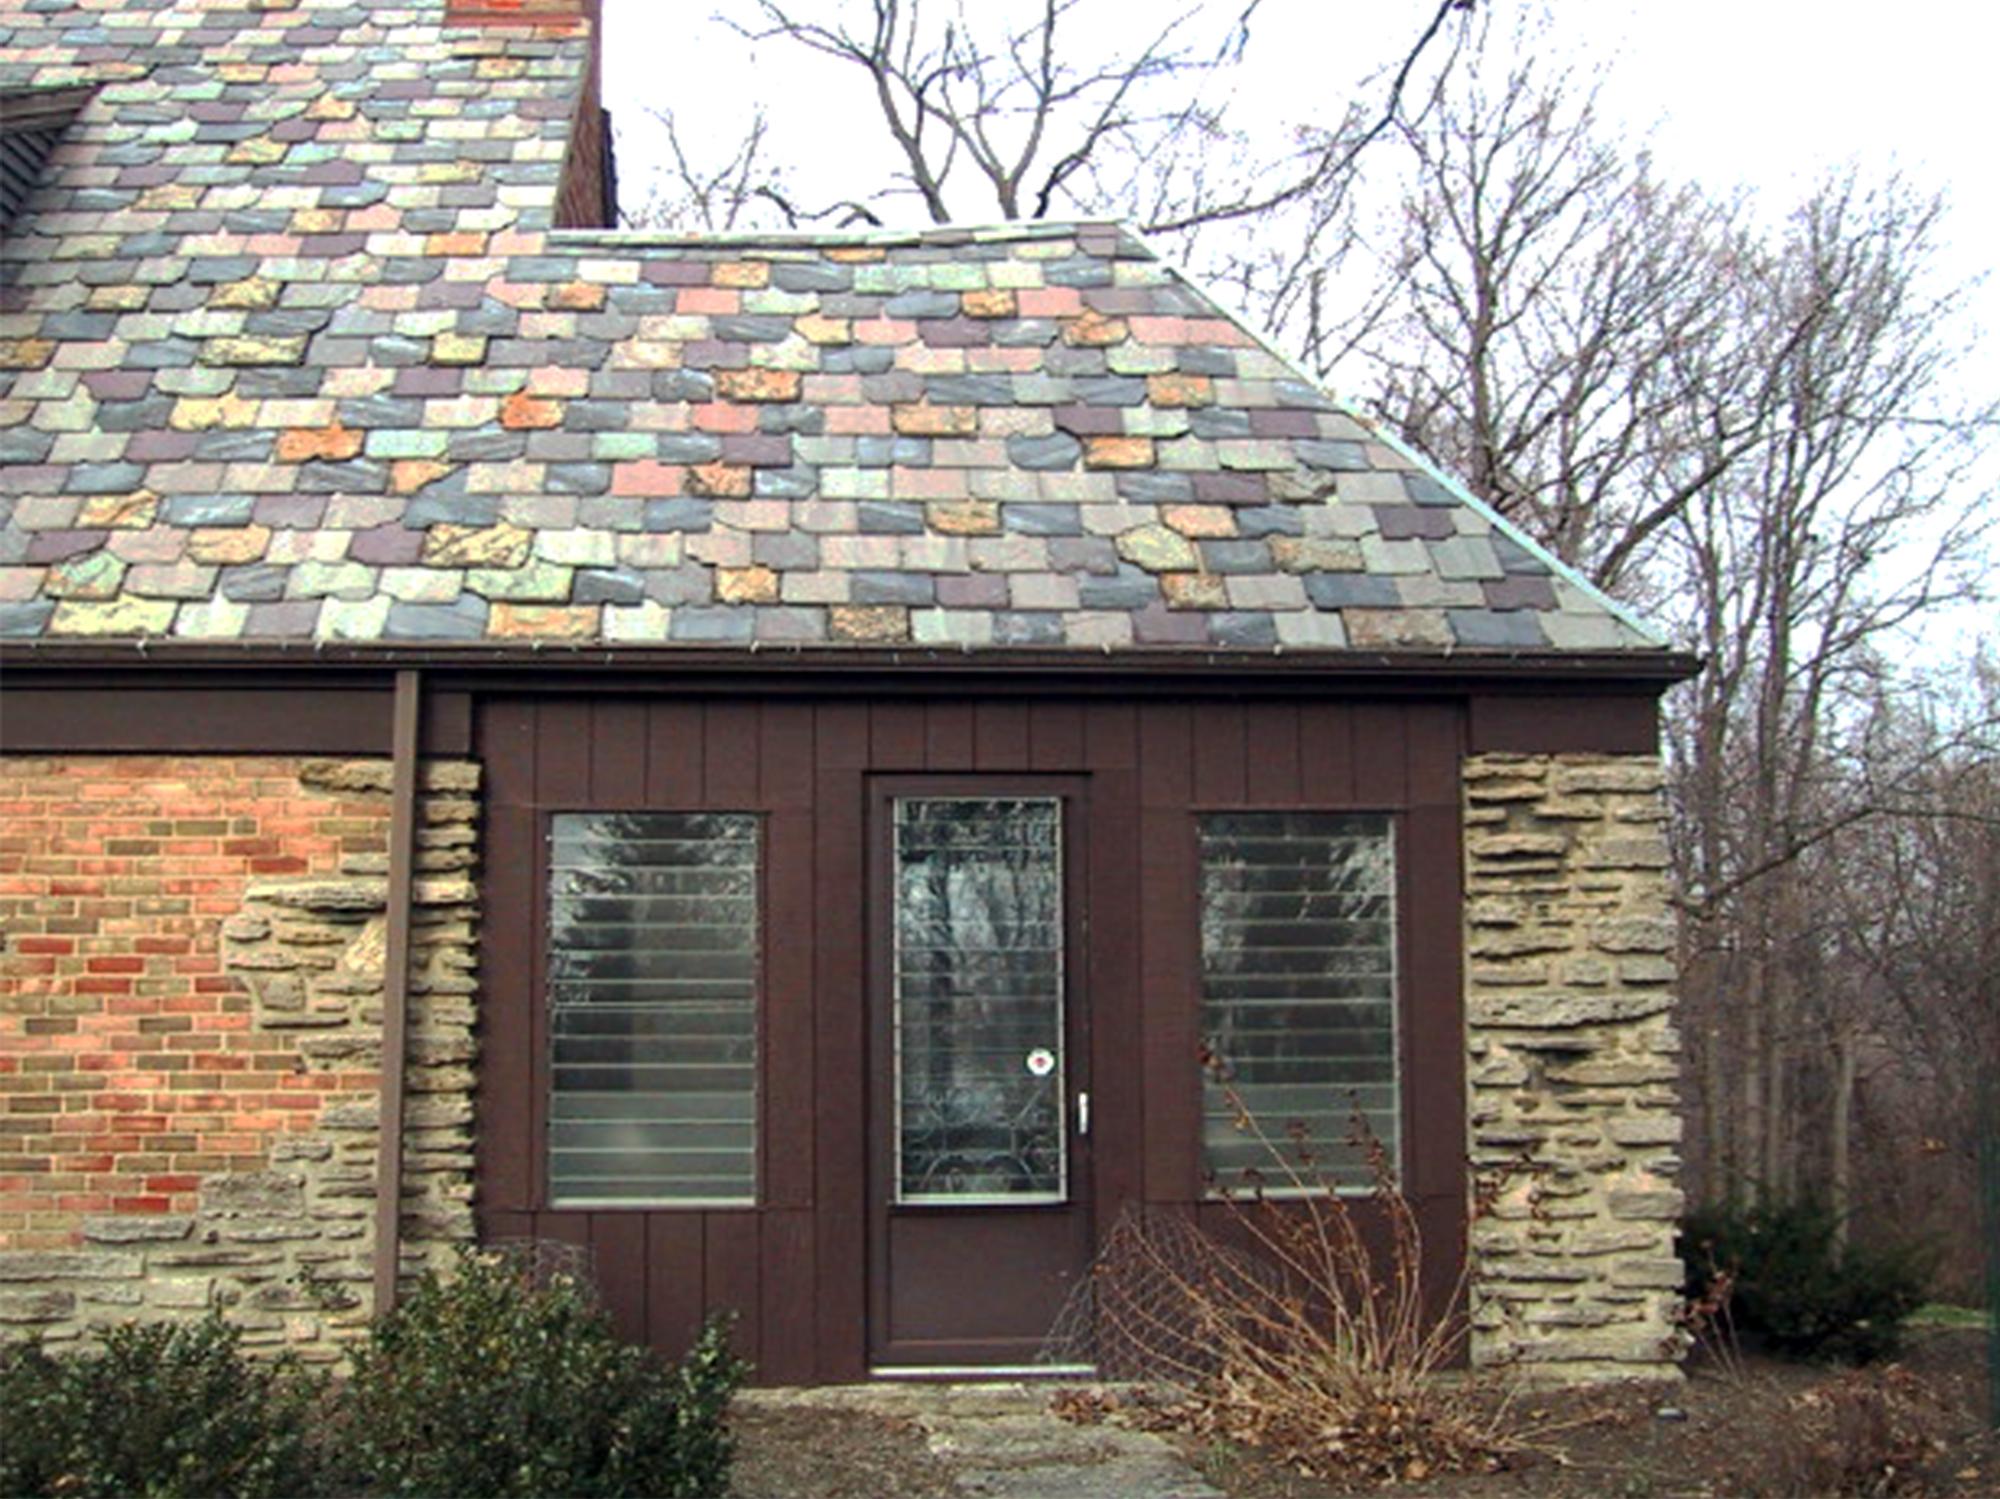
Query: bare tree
<point x="1914" y="897"/>
<point x="1038" y="124"/>
<point x="1759" y="433"/>
<point x="1542" y="316"/>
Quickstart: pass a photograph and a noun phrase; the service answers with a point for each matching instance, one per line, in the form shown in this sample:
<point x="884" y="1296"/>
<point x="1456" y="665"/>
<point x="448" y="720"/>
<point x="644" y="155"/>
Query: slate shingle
<point x="349" y="334"/>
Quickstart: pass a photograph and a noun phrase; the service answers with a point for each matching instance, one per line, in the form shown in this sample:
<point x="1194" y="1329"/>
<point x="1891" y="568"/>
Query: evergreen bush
<point x="488" y="1384"/>
<point x="1796" y="1288"/>
<point x="163" y="1410"/>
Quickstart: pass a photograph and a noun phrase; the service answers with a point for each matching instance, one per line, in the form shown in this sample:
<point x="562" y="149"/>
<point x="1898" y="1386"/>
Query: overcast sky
<point x="1759" y="91"/>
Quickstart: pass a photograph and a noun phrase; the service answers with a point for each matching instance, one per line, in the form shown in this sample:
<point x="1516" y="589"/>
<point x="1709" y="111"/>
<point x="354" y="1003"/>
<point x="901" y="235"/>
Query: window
<point x="1298" y="961"/>
<point x="979" y="1000"/>
<point x="652" y="996"/>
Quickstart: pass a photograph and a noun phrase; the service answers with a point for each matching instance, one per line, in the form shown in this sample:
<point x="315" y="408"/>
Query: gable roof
<point x="292" y="354"/>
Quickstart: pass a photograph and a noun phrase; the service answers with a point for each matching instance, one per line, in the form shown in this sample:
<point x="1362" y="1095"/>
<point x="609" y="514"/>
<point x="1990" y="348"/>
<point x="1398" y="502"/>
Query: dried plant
<point x="1303" y="1324"/>
<point x="1866" y="1432"/>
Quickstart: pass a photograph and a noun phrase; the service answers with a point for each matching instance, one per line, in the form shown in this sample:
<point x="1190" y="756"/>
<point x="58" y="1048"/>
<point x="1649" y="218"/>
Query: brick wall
<point x="1574" y="1056"/>
<point x="191" y="980"/>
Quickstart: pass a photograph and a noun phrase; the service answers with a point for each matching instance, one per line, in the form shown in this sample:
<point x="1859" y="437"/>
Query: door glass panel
<point x="979" y="1000"/>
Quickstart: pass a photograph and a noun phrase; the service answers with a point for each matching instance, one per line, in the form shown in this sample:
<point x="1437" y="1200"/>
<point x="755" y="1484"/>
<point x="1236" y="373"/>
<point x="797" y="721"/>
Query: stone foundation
<point x="190" y="1009"/>
<point x="1573" y="1058"/>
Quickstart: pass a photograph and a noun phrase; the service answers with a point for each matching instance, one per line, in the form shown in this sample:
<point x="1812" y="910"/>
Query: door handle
<point x="1082" y="1114"/>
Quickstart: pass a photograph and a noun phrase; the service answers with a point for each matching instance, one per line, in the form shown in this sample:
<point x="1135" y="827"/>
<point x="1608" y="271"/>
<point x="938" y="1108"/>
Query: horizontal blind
<point x="652" y="994"/>
<point x="1298" y="958"/>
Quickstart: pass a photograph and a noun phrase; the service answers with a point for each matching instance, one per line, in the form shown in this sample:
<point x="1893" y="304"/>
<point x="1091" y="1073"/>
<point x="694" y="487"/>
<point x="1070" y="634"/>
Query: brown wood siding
<point x="1553" y="724"/>
<point x="795" y="1267"/>
<point x="157" y="715"/>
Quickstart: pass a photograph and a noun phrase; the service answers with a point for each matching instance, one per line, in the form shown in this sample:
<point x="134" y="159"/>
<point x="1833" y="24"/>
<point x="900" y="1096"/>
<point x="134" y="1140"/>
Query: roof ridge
<point x="994" y="231"/>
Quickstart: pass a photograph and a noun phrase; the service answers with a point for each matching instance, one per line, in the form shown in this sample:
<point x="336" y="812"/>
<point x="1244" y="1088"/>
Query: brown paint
<point x="1028" y="1259"/>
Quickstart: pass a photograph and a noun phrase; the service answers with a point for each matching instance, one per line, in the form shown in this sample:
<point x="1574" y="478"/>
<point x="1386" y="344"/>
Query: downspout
<point x="396" y="988"/>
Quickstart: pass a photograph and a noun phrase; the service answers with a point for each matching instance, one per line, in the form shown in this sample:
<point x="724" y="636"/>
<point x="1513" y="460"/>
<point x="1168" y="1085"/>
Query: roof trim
<point x="1450" y="482"/>
<point x="1376" y="668"/>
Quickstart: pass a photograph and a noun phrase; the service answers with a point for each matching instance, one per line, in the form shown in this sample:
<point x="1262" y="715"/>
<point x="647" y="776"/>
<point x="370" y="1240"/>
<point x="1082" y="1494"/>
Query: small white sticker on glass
<point x="1041" y="1061"/>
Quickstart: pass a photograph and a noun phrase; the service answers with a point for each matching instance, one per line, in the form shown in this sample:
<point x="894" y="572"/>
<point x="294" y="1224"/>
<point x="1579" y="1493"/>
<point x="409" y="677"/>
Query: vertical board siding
<point x="787" y="1293"/>
<point x="673" y="755"/>
<point x="1118" y="1092"/>
<point x="948" y="736"/>
<point x="618" y="1257"/>
<point x="840" y="1058"/>
<point x="676" y="1289"/>
<point x="1271" y="751"/>
<point x="896" y="737"/>
<point x="1055" y="737"/>
<point x="794" y="1269"/>
<point x="789" y="1138"/>
<point x="1220" y="756"/>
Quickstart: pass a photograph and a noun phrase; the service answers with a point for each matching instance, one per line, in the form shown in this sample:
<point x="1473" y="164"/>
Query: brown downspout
<point x="396" y="989"/>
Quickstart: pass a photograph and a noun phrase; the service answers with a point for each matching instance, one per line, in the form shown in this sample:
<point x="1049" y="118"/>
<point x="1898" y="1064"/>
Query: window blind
<point x="652" y="995"/>
<point x="1298" y="957"/>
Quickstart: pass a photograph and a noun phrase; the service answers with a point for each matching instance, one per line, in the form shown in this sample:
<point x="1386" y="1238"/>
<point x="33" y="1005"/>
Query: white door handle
<point x="1082" y="1114"/>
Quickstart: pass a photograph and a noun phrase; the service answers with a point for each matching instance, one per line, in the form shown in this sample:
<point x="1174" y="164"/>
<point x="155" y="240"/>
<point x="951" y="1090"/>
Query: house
<point x="792" y="747"/>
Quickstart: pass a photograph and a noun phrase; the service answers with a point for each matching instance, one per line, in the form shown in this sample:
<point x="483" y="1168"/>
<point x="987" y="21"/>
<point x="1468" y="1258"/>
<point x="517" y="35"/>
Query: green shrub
<point x="161" y="1410"/>
<point x="1796" y="1289"/>
<point x="487" y="1384"/>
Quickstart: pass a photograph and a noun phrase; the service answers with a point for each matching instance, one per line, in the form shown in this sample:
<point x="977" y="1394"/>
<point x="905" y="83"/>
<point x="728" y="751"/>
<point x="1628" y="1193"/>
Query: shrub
<point x="160" y="1410"/>
<point x="488" y="1384"/>
<point x="1796" y="1289"/>
<point x="1301" y="1323"/>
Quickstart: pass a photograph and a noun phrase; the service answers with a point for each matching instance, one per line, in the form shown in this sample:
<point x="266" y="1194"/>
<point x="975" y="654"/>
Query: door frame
<point x="882" y="789"/>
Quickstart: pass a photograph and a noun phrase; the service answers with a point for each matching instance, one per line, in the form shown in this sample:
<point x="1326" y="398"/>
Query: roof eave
<point x="1647" y="668"/>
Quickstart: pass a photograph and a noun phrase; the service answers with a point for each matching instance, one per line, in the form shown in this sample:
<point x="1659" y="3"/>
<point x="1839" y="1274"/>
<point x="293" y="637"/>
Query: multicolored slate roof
<point x="289" y="350"/>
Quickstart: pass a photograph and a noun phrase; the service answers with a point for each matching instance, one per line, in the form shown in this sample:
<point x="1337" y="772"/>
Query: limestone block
<point x="137" y="1229"/>
<point x="64" y="1264"/>
<point x="29" y="1307"/>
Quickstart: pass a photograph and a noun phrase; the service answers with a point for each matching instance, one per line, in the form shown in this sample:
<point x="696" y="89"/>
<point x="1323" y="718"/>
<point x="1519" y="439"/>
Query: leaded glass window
<point x="979" y="999"/>
<point x="1298" y="961"/>
<point x="652" y="1007"/>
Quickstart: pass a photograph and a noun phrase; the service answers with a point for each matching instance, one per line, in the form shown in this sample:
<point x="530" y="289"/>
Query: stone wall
<point x="1569" y="1008"/>
<point x="191" y="983"/>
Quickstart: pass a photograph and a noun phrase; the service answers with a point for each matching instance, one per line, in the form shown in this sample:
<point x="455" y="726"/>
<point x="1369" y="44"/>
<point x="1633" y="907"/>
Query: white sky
<point x="1764" y="93"/>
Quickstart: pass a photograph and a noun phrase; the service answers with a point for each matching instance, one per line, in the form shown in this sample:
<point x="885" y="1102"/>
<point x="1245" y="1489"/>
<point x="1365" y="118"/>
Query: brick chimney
<point x="588" y="196"/>
<point x="554" y="13"/>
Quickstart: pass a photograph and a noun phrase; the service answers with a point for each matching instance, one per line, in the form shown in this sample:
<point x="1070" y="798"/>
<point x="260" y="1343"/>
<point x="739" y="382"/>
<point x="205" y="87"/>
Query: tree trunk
<point x="1840" y="1180"/>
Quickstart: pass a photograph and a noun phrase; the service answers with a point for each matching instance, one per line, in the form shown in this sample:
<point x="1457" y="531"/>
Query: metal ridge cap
<point x="977" y="231"/>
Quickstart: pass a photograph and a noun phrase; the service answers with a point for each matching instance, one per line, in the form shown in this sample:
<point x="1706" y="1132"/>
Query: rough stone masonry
<point x="1572" y="1108"/>
<point x="190" y="1010"/>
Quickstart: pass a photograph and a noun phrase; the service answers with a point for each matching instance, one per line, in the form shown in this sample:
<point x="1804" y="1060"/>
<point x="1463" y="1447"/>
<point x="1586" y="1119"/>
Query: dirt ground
<point x="1749" y="1427"/>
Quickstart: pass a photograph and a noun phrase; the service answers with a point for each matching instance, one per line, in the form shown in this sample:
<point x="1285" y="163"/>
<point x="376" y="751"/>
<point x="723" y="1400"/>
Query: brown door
<point x="979" y="1126"/>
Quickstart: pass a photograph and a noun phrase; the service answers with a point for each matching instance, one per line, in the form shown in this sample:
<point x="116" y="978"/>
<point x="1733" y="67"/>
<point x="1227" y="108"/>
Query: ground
<point x="1743" y="1427"/>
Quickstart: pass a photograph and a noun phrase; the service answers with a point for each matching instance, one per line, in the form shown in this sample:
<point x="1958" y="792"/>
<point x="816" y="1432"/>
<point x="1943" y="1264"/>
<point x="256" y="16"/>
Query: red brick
<point x="128" y="1065"/>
